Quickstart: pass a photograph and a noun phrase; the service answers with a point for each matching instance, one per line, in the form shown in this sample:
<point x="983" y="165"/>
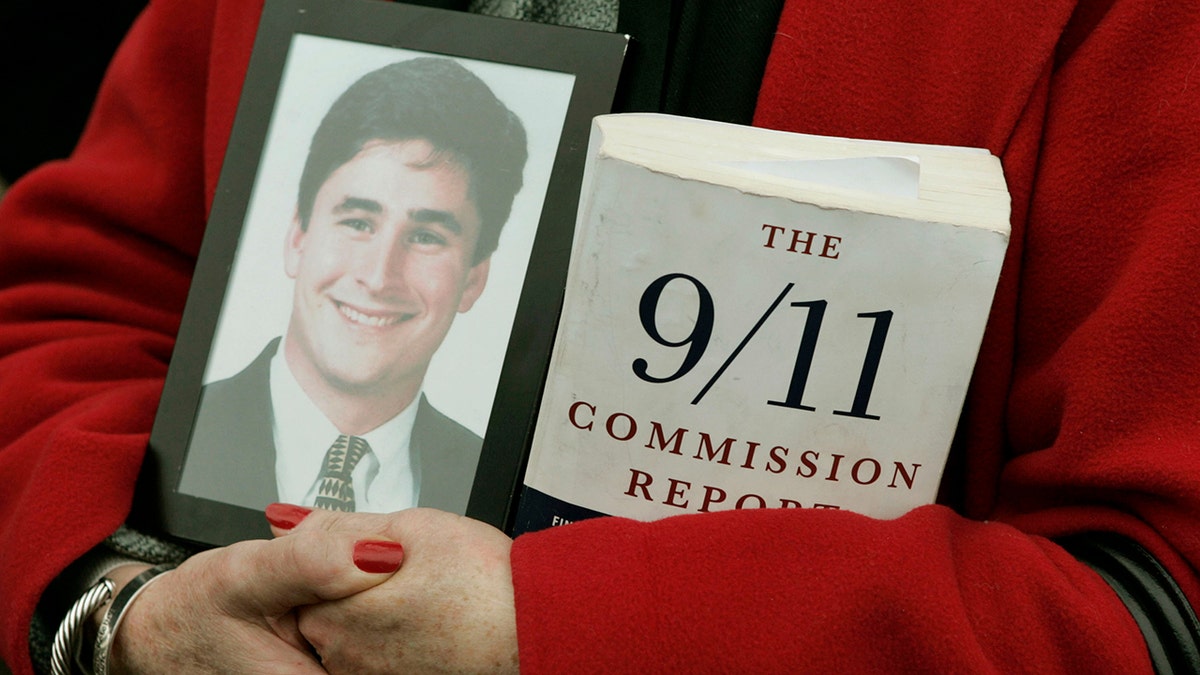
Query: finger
<point x="284" y="517"/>
<point x="363" y="524"/>
<point x="270" y="578"/>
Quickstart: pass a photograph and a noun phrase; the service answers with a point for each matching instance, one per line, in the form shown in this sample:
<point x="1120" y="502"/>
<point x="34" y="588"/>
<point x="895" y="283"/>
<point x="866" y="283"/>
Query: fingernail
<point x="378" y="557"/>
<point x="286" y="516"/>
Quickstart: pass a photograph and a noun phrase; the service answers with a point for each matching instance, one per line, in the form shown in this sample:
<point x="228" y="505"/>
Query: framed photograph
<point x="375" y="301"/>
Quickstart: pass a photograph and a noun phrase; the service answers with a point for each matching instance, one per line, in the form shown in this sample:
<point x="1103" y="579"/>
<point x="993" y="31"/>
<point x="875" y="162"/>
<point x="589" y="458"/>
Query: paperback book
<point x="762" y="319"/>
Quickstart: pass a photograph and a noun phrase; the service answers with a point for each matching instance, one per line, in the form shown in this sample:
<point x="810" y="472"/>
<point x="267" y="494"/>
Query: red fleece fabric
<point x="1084" y="414"/>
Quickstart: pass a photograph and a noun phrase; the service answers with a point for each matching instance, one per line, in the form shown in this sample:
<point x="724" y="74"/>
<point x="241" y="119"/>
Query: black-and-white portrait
<point x="358" y="351"/>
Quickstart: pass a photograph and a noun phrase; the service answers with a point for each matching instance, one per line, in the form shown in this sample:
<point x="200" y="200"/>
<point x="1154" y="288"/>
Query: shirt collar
<point x="301" y="443"/>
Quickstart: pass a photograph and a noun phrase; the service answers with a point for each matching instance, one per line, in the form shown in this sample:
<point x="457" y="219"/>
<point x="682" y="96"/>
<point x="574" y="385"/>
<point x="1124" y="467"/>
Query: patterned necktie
<point x="336" y="490"/>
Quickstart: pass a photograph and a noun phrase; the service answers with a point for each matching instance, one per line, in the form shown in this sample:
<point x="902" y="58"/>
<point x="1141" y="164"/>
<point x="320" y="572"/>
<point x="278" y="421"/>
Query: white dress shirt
<point x="384" y="480"/>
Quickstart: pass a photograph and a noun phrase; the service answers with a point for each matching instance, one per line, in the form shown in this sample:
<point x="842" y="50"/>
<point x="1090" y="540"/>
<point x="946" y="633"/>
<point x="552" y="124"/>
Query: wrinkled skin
<point x="448" y="610"/>
<point x="232" y="609"/>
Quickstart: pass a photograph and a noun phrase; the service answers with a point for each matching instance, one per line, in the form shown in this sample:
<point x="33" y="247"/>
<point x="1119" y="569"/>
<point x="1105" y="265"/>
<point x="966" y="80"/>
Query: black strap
<point x="1162" y="612"/>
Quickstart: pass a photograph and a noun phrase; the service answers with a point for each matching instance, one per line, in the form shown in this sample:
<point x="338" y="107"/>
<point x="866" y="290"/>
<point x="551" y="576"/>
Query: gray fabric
<point x="130" y="542"/>
<point x="594" y="14"/>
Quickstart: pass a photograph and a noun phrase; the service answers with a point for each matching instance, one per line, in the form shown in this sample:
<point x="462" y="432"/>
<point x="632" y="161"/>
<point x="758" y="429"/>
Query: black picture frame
<point x="526" y="65"/>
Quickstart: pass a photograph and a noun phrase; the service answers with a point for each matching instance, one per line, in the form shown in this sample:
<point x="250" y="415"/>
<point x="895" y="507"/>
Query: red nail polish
<point x="378" y="557"/>
<point x="286" y="516"/>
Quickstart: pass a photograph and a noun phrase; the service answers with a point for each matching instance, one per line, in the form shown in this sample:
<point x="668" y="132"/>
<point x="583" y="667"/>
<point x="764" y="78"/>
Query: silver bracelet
<point x="116" y="612"/>
<point x="66" y="638"/>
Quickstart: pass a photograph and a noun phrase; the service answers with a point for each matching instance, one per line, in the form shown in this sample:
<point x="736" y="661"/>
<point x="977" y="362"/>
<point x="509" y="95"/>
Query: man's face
<point x="384" y="265"/>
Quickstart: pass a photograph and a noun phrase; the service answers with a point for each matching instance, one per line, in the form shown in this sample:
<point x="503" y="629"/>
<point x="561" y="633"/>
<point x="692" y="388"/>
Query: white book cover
<point x="763" y="320"/>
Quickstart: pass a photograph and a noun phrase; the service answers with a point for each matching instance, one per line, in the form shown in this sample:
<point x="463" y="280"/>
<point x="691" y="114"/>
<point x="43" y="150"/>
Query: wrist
<point x="120" y="576"/>
<point x="117" y="609"/>
<point x="76" y="635"/>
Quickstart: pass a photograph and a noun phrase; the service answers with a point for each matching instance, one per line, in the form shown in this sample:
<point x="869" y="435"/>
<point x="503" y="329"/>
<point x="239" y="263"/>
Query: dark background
<point x="52" y="57"/>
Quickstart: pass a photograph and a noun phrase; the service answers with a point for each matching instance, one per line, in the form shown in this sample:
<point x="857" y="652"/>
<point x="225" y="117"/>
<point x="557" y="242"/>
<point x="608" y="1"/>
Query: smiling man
<point x="409" y="179"/>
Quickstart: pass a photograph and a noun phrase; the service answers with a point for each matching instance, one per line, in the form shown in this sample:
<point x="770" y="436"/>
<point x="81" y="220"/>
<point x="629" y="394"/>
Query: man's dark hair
<point x="438" y="100"/>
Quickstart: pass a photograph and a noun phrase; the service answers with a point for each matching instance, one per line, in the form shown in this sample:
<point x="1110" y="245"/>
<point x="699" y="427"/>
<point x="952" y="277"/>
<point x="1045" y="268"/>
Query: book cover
<point x="756" y="319"/>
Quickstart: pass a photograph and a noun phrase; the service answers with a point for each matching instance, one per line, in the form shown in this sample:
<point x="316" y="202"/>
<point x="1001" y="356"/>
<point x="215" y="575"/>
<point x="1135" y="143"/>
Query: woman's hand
<point x="232" y="609"/>
<point x="450" y="609"/>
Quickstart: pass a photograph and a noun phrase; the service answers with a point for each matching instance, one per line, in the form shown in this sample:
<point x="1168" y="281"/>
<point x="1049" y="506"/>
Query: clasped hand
<point x="323" y="596"/>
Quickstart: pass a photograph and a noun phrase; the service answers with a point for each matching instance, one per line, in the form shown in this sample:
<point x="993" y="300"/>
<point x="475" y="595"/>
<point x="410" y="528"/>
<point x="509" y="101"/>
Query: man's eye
<point x="428" y="238"/>
<point x="357" y="224"/>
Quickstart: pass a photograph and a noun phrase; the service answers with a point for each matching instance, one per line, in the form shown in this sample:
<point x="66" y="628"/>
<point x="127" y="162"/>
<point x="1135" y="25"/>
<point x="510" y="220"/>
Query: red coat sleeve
<point x="96" y="254"/>
<point x="1084" y="409"/>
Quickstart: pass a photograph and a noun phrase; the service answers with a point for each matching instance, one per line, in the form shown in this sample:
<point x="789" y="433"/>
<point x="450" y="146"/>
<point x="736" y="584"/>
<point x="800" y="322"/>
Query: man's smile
<point x="371" y="319"/>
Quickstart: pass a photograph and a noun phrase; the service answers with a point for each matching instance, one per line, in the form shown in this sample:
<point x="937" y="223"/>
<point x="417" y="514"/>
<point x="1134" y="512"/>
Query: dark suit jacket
<point x="231" y="456"/>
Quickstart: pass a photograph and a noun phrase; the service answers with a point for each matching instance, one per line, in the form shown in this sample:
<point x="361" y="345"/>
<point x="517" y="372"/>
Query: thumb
<point x="272" y="577"/>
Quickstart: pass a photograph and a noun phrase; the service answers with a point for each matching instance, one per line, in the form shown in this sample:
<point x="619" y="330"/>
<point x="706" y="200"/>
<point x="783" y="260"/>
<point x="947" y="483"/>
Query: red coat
<point x="1084" y="415"/>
